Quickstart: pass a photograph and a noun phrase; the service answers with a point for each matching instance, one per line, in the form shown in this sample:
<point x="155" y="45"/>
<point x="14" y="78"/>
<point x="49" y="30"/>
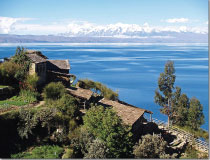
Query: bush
<point x="8" y="72"/>
<point x="151" y="146"/>
<point x="42" y="152"/>
<point x="97" y="149"/>
<point x="28" y="96"/>
<point x="98" y="88"/>
<point x="21" y="59"/>
<point x="54" y="91"/>
<point x="68" y="153"/>
<point x="31" y="82"/>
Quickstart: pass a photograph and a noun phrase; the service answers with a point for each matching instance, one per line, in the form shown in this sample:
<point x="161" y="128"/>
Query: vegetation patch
<point x="99" y="88"/>
<point x="3" y="86"/>
<point x="25" y="97"/>
<point x="41" y="152"/>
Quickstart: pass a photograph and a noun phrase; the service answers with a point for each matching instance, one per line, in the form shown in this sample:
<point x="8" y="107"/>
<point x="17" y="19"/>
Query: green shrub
<point x="68" y="153"/>
<point x="22" y="60"/>
<point x="42" y="152"/>
<point x="54" y="91"/>
<point x="28" y="96"/>
<point x="31" y="82"/>
<point x="8" y="71"/>
<point x="98" y="88"/>
<point x="151" y="146"/>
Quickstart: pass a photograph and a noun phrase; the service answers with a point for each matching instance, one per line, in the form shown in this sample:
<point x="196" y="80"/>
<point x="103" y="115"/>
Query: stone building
<point x="38" y="66"/>
<point x="48" y="70"/>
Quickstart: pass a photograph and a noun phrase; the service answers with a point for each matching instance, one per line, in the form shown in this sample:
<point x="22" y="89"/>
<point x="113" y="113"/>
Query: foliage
<point x="81" y="142"/>
<point x="150" y="146"/>
<point x="21" y="59"/>
<point x="31" y="82"/>
<point x="68" y="107"/>
<point x="67" y="114"/>
<point x="177" y="106"/>
<point x="190" y="153"/>
<point x="27" y="122"/>
<point x="3" y="86"/>
<point x="8" y="72"/>
<point x="25" y="97"/>
<point x="97" y="149"/>
<point x="54" y="91"/>
<point x="180" y="103"/>
<point x="107" y="126"/>
<point x="166" y="86"/>
<point x="98" y="88"/>
<point x="46" y="151"/>
<point x="195" y="114"/>
<point x="30" y="119"/>
<point x="68" y="153"/>
<point x="46" y="117"/>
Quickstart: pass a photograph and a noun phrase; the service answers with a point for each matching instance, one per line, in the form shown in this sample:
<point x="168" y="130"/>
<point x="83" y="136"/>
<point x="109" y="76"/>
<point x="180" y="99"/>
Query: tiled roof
<point x="62" y="64"/>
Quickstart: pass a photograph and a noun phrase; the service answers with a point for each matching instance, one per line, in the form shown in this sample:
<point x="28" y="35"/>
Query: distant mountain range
<point x="116" y="36"/>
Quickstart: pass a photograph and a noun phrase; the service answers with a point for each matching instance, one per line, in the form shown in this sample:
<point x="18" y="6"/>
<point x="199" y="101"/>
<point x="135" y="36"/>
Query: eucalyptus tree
<point x="164" y="93"/>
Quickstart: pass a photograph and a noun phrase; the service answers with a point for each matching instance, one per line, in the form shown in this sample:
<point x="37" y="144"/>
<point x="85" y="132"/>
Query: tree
<point x="166" y="86"/>
<point x="21" y="59"/>
<point x="180" y="109"/>
<point x="151" y="146"/>
<point x="8" y="71"/>
<point x="195" y="114"/>
<point x="107" y="126"/>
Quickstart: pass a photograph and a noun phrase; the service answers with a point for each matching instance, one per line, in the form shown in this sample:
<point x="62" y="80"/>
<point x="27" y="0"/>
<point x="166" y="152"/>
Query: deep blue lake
<point x="133" y="69"/>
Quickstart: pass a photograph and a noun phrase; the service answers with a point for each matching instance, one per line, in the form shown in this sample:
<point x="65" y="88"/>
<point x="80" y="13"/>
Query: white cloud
<point x="177" y="20"/>
<point x="207" y="22"/>
<point x="7" y="23"/>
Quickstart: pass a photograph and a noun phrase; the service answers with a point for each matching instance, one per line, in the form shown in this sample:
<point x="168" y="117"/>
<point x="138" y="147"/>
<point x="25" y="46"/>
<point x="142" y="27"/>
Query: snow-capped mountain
<point x="121" y="30"/>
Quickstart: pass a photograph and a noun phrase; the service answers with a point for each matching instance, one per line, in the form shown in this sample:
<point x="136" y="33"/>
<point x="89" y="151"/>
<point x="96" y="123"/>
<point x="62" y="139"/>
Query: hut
<point x="84" y="95"/>
<point x="38" y="66"/>
<point x="130" y="114"/>
<point x="60" y="66"/>
<point x="48" y="70"/>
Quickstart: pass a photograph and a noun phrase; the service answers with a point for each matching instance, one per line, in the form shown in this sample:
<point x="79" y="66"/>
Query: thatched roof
<point x="80" y="93"/>
<point x="61" y="64"/>
<point x="39" y="53"/>
<point x="128" y="113"/>
<point x="36" y="58"/>
<point x="61" y="74"/>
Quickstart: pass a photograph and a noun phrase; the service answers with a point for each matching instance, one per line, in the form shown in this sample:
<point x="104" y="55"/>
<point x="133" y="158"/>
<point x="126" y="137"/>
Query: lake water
<point x="133" y="69"/>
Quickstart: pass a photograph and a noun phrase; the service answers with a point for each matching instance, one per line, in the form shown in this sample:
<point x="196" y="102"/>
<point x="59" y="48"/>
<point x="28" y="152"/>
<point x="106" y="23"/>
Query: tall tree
<point x="195" y="114"/>
<point x="164" y="93"/>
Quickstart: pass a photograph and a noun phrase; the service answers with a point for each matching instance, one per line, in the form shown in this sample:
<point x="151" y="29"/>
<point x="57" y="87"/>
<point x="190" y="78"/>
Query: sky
<point x="62" y="16"/>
